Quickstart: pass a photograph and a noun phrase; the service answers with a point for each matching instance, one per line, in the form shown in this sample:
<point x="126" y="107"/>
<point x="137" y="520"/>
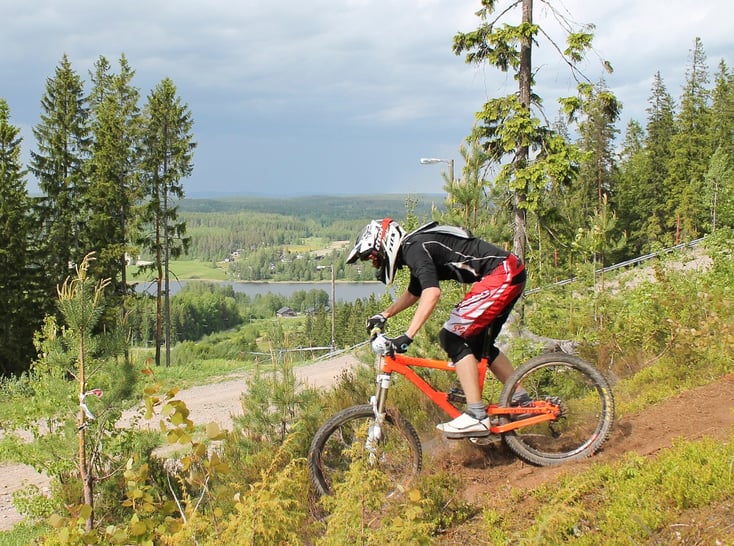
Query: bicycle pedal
<point x="456" y="395"/>
<point x="483" y="441"/>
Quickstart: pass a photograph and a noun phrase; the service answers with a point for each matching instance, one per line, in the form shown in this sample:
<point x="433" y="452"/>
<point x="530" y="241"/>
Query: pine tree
<point x="63" y="141"/>
<point x="466" y="198"/>
<point x="166" y="158"/>
<point x="20" y="314"/>
<point x="530" y="154"/>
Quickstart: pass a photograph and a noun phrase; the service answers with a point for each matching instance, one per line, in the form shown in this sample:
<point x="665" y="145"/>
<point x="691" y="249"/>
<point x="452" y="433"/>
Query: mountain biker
<point x="435" y="253"/>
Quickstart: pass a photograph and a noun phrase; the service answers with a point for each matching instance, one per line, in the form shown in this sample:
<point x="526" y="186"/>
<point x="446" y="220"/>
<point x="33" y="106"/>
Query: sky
<point x="337" y="97"/>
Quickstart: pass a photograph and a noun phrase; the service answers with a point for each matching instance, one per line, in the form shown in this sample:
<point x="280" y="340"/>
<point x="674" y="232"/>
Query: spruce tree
<point x="632" y="206"/>
<point x="722" y="110"/>
<point x="166" y="156"/>
<point x="719" y="178"/>
<point x="113" y="188"/>
<point x="20" y="314"/>
<point x="597" y="130"/>
<point x="719" y="190"/>
<point x="653" y="201"/>
<point x="63" y="143"/>
<point x="690" y="151"/>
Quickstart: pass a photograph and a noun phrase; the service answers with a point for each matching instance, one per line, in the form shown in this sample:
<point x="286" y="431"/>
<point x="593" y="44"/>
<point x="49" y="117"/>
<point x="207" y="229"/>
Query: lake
<point x="344" y="291"/>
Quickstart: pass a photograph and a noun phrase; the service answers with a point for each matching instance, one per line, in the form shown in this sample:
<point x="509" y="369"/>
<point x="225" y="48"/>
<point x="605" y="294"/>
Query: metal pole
<point x="333" y="310"/>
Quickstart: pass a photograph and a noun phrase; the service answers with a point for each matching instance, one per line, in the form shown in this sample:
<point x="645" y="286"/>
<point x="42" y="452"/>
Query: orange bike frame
<point x="403" y="364"/>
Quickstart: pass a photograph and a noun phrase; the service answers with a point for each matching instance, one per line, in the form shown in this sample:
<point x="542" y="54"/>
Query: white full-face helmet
<point x="379" y="242"/>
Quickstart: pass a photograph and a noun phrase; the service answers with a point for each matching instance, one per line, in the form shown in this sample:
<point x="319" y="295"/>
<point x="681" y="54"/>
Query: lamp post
<point x="333" y="304"/>
<point x="433" y="160"/>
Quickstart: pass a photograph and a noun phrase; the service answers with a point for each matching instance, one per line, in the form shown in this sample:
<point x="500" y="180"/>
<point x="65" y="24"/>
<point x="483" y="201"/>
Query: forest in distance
<point x="315" y="205"/>
<point x="290" y="239"/>
<point x="574" y="196"/>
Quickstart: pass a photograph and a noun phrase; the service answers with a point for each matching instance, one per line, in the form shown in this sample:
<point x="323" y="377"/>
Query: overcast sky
<point x="293" y="97"/>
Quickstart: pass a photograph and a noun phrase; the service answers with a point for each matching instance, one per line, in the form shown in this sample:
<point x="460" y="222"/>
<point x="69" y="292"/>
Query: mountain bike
<point x="569" y="418"/>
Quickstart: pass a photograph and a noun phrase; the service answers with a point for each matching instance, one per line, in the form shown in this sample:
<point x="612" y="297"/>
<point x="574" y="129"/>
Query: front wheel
<point x="584" y="400"/>
<point x="397" y="451"/>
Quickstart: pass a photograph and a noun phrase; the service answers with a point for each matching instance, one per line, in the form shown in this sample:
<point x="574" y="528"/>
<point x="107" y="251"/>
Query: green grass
<point x="22" y="534"/>
<point x="184" y="270"/>
<point x="628" y="502"/>
<point x="202" y="372"/>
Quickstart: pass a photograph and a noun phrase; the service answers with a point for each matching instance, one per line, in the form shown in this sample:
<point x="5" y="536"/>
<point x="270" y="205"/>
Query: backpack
<point x="435" y="227"/>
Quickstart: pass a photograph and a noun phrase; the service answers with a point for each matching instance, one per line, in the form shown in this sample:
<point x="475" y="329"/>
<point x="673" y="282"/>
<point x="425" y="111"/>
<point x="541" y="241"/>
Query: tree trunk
<point x="525" y="78"/>
<point x="159" y="301"/>
<point x="166" y="269"/>
<point x="85" y="474"/>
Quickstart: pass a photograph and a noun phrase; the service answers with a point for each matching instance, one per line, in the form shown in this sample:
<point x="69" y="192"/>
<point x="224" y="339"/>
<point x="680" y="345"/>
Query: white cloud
<point x="359" y="77"/>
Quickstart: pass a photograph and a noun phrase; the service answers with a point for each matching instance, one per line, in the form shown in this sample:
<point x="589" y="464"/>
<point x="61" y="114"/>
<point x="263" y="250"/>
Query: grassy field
<point x="184" y="270"/>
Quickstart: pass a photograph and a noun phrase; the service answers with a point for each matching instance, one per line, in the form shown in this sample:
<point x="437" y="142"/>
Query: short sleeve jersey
<point x="433" y="257"/>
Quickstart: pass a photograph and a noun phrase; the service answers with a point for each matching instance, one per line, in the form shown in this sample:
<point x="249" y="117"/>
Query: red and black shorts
<point x="487" y="305"/>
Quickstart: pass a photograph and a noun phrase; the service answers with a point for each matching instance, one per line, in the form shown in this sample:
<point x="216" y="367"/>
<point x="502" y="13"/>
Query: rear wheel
<point x="397" y="453"/>
<point x="585" y="402"/>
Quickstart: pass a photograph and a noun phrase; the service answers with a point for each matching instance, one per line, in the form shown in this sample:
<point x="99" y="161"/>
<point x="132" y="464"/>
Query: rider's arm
<point x="426" y="305"/>
<point x="400" y="304"/>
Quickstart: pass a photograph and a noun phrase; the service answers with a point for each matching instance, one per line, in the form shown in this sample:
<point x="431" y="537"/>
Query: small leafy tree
<point x="362" y="512"/>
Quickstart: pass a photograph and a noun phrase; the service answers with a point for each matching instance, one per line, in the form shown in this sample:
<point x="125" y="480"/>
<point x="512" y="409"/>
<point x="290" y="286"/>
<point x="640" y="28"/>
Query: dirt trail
<point x="488" y="471"/>
<point x="706" y="411"/>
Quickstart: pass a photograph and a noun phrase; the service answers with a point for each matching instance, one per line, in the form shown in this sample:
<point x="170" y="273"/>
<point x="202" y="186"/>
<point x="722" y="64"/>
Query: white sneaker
<point x="465" y="426"/>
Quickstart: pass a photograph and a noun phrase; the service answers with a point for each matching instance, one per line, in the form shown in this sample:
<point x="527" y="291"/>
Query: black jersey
<point x="435" y="256"/>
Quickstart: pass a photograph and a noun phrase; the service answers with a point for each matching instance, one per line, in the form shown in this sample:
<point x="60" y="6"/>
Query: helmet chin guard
<point x="380" y="242"/>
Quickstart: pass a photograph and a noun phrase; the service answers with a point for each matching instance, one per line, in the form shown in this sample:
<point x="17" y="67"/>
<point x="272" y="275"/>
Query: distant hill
<point x="335" y="207"/>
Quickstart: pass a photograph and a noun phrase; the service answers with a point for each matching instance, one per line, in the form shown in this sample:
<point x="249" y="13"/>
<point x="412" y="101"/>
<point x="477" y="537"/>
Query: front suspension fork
<point x="378" y="403"/>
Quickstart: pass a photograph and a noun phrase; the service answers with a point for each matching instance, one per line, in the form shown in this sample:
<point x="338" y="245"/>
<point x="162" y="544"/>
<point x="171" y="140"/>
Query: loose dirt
<point x="706" y="411"/>
<point x="488" y="471"/>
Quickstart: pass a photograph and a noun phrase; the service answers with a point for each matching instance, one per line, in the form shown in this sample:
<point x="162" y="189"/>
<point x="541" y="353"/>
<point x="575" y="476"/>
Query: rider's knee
<point x="455" y="346"/>
<point x="492" y="353"/>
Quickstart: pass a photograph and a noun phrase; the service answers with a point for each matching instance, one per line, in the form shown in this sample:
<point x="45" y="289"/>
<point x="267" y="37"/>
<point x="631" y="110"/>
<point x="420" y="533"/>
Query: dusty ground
<point x="707" y="411"/>
<point x="489" y="471"/>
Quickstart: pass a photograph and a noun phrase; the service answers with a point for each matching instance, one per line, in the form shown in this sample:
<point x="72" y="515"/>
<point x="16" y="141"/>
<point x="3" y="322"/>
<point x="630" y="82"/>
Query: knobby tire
<point x="587" y="406"/>
<point x="399" y="453"/>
